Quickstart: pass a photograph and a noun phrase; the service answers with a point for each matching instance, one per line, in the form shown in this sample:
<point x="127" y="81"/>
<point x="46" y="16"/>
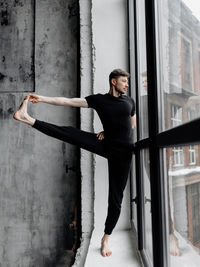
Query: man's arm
<point x="133" y="121"/>
<point x="59" y="101"/>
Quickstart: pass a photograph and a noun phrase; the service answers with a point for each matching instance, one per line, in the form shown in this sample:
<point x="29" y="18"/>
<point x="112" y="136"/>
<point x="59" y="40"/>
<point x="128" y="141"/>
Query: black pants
<point x="119" y="162"/>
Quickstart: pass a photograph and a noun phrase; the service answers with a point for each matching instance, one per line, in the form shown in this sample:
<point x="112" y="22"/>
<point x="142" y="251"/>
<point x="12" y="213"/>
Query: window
<point x="147" y="203"/>
<point x="183" y="190"/>
<point x="198" y="70"/>
<point x="176" y="115"/>
<point x="178" y="53"/>
<point x="186" y="64"/>
<point x="142" y="200"/>
<point x="193" y="197"/>
<point x="167" y="165"/>
<point x="191" y="114"/>
<point x="178" y="156"/>
<point x="192" y="155"/>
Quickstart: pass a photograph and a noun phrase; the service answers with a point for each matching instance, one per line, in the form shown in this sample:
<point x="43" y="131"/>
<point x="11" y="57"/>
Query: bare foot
<point x="105" y="251"/>
<point x="22" y="115"/>
<point x="174" y="247"/>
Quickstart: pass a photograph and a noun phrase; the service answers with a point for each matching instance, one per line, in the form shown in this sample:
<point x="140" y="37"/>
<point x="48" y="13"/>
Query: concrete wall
<point x="37" y="196"/>
<point x="87" y="158"/>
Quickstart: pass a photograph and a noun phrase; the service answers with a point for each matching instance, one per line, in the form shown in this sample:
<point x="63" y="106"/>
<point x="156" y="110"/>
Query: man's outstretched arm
<point x="59" y="101"/>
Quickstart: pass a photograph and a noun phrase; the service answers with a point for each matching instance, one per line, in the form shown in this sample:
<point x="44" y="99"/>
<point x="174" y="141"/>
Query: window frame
<point x="157" y="140"/>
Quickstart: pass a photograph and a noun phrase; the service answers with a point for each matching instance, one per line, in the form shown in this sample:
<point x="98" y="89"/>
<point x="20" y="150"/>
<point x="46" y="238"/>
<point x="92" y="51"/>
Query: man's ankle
<point x="105" y="237"/>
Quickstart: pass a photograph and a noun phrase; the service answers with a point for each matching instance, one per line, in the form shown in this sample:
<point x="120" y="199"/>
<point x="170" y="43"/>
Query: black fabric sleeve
<point x="91" y="100"/>
<point x="133" y="107"/>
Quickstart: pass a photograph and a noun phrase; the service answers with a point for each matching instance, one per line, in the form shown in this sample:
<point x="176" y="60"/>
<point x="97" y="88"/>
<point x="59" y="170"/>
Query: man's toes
<point x="109" y="253"/>
<point x="178" y="253"/>
<point x="15" y="116"/>
<point x="103" y="254"/>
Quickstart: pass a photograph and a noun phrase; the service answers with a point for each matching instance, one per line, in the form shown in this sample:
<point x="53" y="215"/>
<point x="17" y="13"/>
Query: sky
<point x="194" y="6"/>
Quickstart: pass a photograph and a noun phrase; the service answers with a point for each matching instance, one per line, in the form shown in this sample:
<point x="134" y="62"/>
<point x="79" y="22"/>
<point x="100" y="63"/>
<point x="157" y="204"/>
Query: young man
<point x="117" y="114"/>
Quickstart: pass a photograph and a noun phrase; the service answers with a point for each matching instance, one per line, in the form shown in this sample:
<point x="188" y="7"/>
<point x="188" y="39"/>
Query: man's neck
<point x="113" y="92"/>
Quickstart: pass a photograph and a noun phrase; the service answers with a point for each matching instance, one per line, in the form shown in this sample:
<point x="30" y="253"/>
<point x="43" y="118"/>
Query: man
<point x="117" y="114"/>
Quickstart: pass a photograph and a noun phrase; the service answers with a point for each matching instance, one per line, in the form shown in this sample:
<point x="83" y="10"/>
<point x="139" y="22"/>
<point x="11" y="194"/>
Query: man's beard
<point x="120" y="92"/>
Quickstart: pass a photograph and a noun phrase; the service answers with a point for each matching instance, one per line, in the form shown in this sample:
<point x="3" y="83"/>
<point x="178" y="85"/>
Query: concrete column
<point x="37" y="196"/>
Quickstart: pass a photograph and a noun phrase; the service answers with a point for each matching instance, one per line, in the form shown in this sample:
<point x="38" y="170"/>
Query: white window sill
<point x="123" y="246"/>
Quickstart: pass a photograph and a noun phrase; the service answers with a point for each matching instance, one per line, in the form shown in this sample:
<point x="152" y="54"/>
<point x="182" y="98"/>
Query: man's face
<point x="144" y="83"/>
<point x="121" y="84"/>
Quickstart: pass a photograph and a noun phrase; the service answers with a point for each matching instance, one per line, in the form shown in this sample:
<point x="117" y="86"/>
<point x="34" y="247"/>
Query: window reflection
<point x="179" y="42"/>
<point x="147" y="203"/>
<point x="134" y="196"/>
<point x="142" y="67"/>
<point x="176" y="115"/>
<point x="184" y="205"/>
<point x="186" y="64"/>
<point x="144" y="105"/>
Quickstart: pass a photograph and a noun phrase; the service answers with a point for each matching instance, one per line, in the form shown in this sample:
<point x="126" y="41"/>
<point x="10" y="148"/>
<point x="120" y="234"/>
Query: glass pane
<point x="183" y="187"/>
<point x="147" y="203"/>
<point x="142" y="67"/>
<point x="178" y="42"/>
<point x="133" y="195"/>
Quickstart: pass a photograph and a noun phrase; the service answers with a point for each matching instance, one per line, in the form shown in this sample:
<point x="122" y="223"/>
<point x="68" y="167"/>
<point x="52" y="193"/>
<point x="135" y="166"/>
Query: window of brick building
<point x="192" y="155"/>
<point x="186" y="64"/>
<point x="178" y="156"/>
<point x="193" y="193"/>
<point x="176" y="115"/>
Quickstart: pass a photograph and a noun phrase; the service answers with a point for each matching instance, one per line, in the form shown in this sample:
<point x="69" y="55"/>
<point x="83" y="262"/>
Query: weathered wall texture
<point x="87" y="159"/>
<point x="17" y="31"/>
<point x="37" y="196"/>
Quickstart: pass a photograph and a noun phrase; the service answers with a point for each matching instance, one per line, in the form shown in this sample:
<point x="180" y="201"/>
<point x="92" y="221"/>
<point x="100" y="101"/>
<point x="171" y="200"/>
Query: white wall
<point x="104" y="46"/>
<point x="109" y="28"/>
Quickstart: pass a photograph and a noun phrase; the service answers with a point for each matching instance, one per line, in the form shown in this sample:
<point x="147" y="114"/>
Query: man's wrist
<point x="43" y="99"/>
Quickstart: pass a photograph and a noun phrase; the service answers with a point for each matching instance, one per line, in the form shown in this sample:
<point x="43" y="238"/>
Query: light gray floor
<point x="123" y="246"/>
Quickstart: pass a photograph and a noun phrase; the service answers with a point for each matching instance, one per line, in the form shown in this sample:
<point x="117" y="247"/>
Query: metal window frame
<point x="180" y="135"/>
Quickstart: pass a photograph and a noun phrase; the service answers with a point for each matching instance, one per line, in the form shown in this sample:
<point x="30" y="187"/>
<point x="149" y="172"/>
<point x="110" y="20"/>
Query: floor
<point x="123" y="246"/>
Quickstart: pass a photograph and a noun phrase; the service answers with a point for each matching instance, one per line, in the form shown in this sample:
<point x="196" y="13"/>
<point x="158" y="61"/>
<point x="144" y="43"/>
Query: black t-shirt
<point x="115" y="114"/>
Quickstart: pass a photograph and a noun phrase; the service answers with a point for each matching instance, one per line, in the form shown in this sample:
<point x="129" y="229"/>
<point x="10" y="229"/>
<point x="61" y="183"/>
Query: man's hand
<point x="34" y="98"/>
<point x="100" y="135"/>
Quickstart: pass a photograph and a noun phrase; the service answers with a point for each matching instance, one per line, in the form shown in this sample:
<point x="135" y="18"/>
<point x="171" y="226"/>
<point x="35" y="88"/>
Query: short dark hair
<point x="117" y="73"/>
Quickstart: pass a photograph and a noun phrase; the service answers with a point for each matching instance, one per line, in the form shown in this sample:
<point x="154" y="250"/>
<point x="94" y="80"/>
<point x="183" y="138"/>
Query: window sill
<point x="123" y="246"/>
